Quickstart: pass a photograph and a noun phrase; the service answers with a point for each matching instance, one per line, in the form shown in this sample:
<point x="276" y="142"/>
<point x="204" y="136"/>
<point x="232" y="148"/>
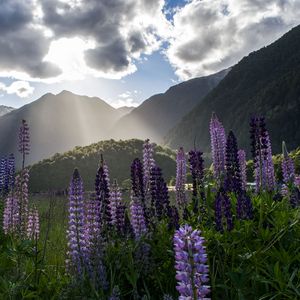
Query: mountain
<point x="267" y="82"/>
<point x="124" y="110"/>
<point x="5" y="110"/>
<point x="158" y="114"/>
<point x="58" y="123"/>
<point x="55" y="173"/>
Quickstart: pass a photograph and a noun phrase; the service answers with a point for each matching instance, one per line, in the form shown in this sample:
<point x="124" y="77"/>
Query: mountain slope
<point x="158" y="114"/>
<point x="5" y="110"/>
<point x="58" y="123"/>
<point x="54" y="173"/>
<point x="266" y="82"/>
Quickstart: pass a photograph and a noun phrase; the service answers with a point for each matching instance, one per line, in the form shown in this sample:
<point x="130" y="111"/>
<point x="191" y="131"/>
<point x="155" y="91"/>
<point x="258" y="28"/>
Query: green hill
<point x="266" y="82"/>
<point x="55" y="173"/>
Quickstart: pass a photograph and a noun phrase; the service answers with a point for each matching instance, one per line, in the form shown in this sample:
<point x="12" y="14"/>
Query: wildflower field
<point x="222" y="239"/>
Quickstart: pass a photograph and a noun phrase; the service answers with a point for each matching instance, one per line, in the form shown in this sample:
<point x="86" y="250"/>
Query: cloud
<point x="55" y="40"/>
<point x="23" y="45"/>
<point x="127" y="98"/>
<point x="210" y="35"/>
<point x="20" y="88"/>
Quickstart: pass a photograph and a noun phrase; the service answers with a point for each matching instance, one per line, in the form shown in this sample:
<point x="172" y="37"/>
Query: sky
<point x="124" y="51"/>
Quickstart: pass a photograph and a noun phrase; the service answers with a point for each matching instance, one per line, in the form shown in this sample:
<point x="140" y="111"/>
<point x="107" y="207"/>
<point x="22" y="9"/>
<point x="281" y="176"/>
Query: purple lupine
<point x="102" y="195"/>
<point x="21" y="193"/>
<point x="77" y="246"/>
<point x="148" y="163"/>
<point x="137" y="219"/>
<point x="243" y="167"/>
<point x="24" y="141"/>
<point x="244" y="208"/>
<point x="297" y="181"/>
<point x="181" y="198"/>
<point x="218" y="144"/>
<point x="233" y="181"/>
<point x="11" y="215"/>
<point x="137" y="179"/>
<point x="223" y="211"/>
<point x="95" y="243"/>
<point x="287" y="166"/>
<point x="159" y="193"/>
<point x="33" y="225"/>
<point x="197" y="171"/>
<point x="117" y="208"/>
<point x="269" y="167"/>
<point x="262" y="155"/>
<point x="192" y="271"/>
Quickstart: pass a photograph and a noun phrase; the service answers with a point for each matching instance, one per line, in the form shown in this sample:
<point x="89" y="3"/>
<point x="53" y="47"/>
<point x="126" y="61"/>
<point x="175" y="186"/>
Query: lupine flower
<point x="148" y="163"/>
<point x="297" y="181"/>
<point x="218" y="144"/>
<point x="262" y="154"/>
<point x="21" y="194"/>
<point x="233" y="182"/>
<point x="191" y="264"/>
<point x="244" y="209"/>
<point x="287" y="166"/>
<point x="167" y="297"/>
<point x="33" y="225"/>
<point x="94" y="243"/>
<point x="102" y="195"/>
<point x="24" y="141"/>
<point x="159" y="193"/>
<point x="137" y="186"/>
<point x="197" y="171"/>
<point x="116" y="206"/>
<point x="137" y="179"/>
<point x="92" y="220"/>
<point x="223" y="211"/>
<point x="11" y="215"/>
<point x="4" y="175"/>
<point x="77" y="248"/>
<point x="137" y="220"/>
<point x="295" y="198"/>
<point x="243" y="168"/>
<point x="180" y="179"/>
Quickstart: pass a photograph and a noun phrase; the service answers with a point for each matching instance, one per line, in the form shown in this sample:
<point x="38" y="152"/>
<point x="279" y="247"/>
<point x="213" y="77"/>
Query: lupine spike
<point x="233" y="182"/>
<point x="116" y="206"/>
<point x="191" y="266"/>
<point x="262" y="155"/>
<point x="181" y="198"/>
<point x="24" y="141"/>
<point x="11" y="215"/>
<point x="137" y="220"/>
<point x="218" y="144"/>
<point x="77" y="248"/>
<point x="159" y="193"/>
<point x="33" y="225"/>
<point x="102" y="194"/>
<point x="287" y="166"/>
<point x="197" y="171"/>
<point x="148" y="163"/>
<point x="21" y="194"/>
<point x="223" y="212"/>
<point x="243" y="167"/>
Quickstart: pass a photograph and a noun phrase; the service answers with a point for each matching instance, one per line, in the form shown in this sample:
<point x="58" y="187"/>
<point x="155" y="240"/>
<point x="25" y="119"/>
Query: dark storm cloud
<point x="22" y="47"/>
<point x="104" y="22"/>
<point x="111" y="57"/>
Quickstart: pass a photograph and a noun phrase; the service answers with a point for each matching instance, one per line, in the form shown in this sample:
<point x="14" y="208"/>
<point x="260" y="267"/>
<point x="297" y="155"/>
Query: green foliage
<point x="259" y="259"/>
<point x="54" y="173"/>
